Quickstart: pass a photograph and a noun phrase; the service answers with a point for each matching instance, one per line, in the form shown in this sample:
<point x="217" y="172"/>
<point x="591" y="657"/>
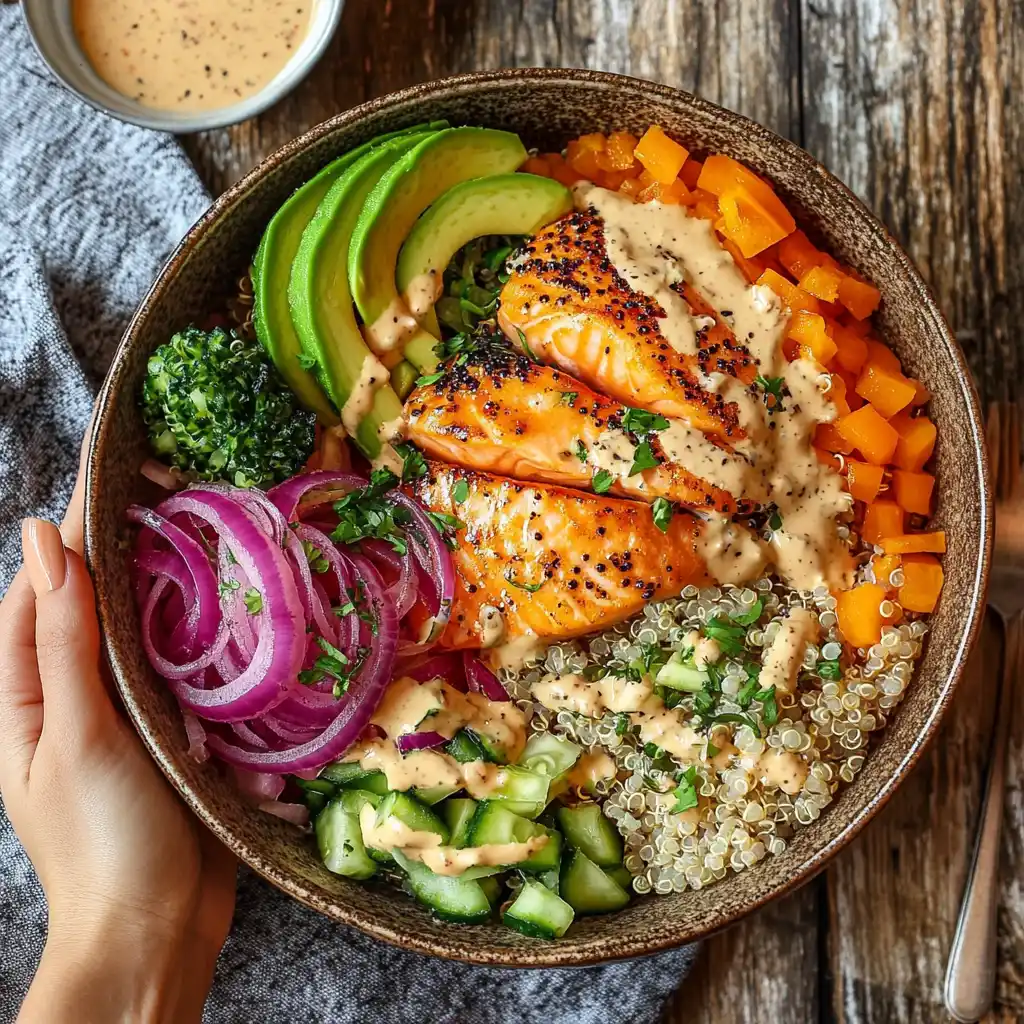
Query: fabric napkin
<point x="89" y="209"/>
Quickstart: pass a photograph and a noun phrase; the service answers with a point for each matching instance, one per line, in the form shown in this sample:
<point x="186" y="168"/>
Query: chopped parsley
<point x="640" y="422"/>
<point x="728" y="637"/>
<point x="748" y="618"/>
<point x="429" y="378"/>
<point x="446" y="525"/>
<point x="830" y="669"/>
<point x="602" y="481"/>
<point x="773" y="388"/>
<point x="662" y="511"/>
<point x="253" y="601"/>
<point x="769" y="707"/>
<point x="318" y="562"/>
<point x="686" y="790"/>
<point x="568" y="397"/>
<point x="461" y="345"/>
<point x="621" y="724"/>
<point x="227" y="586"/>
<point x="460" y="492"/>
<point x="530" y="588"/>
<point x="414" y="465"/>
<point x="735" y="718"/>
<point x="333" y="664"/>
<point x="581" y="451"/>
<point x="775" y="521"/>
<point x="525" y="344"/>
<point x="643" y="458"/>
<point x="366" y="513"/>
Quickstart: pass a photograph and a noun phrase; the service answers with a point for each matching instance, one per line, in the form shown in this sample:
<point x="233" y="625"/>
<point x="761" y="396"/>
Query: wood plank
<point x="909" y="103"/>
<point x="751" y="65"/>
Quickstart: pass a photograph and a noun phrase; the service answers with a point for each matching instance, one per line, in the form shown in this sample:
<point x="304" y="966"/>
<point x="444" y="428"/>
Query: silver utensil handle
<point x="971" y="974"/>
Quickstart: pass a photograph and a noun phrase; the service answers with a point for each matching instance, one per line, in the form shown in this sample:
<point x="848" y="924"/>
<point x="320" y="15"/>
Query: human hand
<point x="140" y="895"/>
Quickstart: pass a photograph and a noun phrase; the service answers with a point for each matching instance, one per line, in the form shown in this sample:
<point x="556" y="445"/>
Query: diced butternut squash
<point x="798" y="256"/>
<point x="822" y="282"/>
<point x="631" y="187"/>
<point x="851" y="349"/>
<point x="870" y="434"/>
<point x="537" y="165"/>
<point x="751" y="269"/>
<point x="560" y="170"/>
<point x="673" y="193"/>
<point x="795" y="298"/>
<point x="706" y="205"/>
<point x="837" y="392"/>
<point x="809" y="330"/>
<point x="583" y="158"/>
<point x="922" y="583"/>
<point x="827" y="458"/>
<point x="826" y="436"/>
<point x="921" y="394"/>
<point x="853" y="400"/>
<point x="690" y="174"/>
<point x="659" y="154"/>
<point x="883" y="355"/>
<point x="618" y="153"/>
<point x="883" y="566"/>
<point x="913" y="491"/>
<point x="916" y="441"/>
<point x="882" y="519"/>
<point x="863" y="480"/>
<point x="933" y="542"/>
<point x="859" y="614"/>
<point x="887" y="391"/>
<point x="859" y="297"/>
<point x="747" y="224"/>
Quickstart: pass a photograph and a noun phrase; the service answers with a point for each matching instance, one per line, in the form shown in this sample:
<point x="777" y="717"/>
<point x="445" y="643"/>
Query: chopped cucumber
<point x="457" y="815"/>
<point x="315" y="802"/>
<point x="493" y="751"/>
<point x="465" y="747"/>
<point x="538" y="912"/>
<point x="450" y="897"/>
<point x="340" y="838"/>
<point x="587" y="889"/>
<point x="434" y="794"/>
<point x="677" y="675"/>
<point x="589" y="831"/>
<point x="492" y="889"/>
<point x="550" y="754"/>
<point x="549" y="856"/>
<point x="523" y="791"/>
<point x="622" y="876"/>
<point x="494" y="823"/>
<point x="412" y="814"/>
<point x="550" y="879"/>
<point x="349" y="773"/>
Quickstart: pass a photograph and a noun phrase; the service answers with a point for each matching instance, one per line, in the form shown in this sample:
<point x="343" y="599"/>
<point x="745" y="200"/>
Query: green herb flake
<point x="569" y="398"/>
<point x="662" y="512"/>
<point x="429" y="378"/>
<point x="621" y="725"/>
<point x="729" y="638"/>
<point x="525" y="344"/>
<point x="367" y="512"/>
<point x="530" y="588"/>
<point x="643" y="458"/>
<point x="227" y="586"/>
<point x="769" y="707"/>
<point x="253" y="601"/>
<point x="749" y="617"/>
<point x="640" y="422"/>
<point x="773" y="388"/>
<point x="414" y="465"/>
<point x="685" y="791"/>
<point x="581" y="451"/>
<point x="830" y="670"/>
<point x="460" y="492"/>
<point x="447" y="525"/>
<point x="602" y="481"/>
<point x="775" y="521"/>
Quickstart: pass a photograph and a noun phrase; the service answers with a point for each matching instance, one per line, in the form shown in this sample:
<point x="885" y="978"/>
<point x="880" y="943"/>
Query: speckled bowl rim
<point x="601" y="948"/>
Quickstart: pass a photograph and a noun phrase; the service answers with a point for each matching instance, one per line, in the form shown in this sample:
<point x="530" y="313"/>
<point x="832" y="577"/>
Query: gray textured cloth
<point x="89" y="208"/>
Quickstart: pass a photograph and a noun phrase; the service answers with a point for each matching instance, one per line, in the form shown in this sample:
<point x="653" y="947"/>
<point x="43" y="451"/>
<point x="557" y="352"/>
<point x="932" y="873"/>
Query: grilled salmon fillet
<point x="553" y="563"/>
<point x="500" y="412"/>
<point x="565" y="302"/>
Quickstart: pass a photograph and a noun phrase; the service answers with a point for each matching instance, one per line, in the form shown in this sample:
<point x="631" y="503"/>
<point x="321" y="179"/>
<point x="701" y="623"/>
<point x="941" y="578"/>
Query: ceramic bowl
<point x="547" y="107"/>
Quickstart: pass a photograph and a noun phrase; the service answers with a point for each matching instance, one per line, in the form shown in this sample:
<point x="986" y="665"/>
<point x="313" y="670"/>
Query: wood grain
<point x="910" y="102"/>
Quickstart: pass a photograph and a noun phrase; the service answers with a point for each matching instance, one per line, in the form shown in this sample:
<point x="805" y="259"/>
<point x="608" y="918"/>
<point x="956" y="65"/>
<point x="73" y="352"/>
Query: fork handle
<point x="971" y="974"/>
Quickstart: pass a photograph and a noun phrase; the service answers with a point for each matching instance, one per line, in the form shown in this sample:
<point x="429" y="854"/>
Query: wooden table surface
<point x="911" y="104"/>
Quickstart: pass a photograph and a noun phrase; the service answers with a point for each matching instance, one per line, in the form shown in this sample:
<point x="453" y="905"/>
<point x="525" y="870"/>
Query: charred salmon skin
<point x="535" y="560"/>
<point x="500" y="412"/>
<point x="566" y="304"/>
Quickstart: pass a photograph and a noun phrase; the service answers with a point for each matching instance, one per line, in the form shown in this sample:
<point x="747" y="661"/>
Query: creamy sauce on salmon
<point x="192" y="54"/>
<point x="654" y="247"/>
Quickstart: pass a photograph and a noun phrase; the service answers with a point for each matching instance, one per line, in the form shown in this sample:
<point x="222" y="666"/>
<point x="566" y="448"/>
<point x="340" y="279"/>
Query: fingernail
<point x="43" y="550"/>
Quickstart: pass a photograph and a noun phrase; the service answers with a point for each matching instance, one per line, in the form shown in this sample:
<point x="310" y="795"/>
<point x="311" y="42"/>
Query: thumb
<point x="67" y="631"/>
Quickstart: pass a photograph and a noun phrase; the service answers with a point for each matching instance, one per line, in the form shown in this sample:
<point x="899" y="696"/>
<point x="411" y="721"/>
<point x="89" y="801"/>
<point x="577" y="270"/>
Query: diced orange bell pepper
<point x="922" y="583"/>
<point x="611" y="179"/>
<point x="916" y="440"/>
<point x="821" y="282"/>
<point x="853" y="400"/>
<point x="916" y="543"/>
<point x="851" y="350"/>
<point x="751" y="269"/>
<point x="827" y="458"/>
<point x="883" y="566"/>
<point x="913" y="491"/>
<point x="537" y="165"/>
<point x="706" y="206"/>
<point x="882" y="518"/>
<point x="863" y="480"/>
<point x="809" y="330"/>
<point x="888" y="392"/>
<point x="868" y="432"/>
<point x="826" y="436"/>
<point x="690" y="173"/>
<point x="798" y="256"/>
<point x="859" y="297"/>
<point x="859" y="614"/>
<point x="883" y="355"/>
<point x="674" y="193"/>
<point x="662" y="156"/>
<point x="631" y="187"/>
<point x="583" y="159"/>
<point x="921" y="394"/>
<point x="618" y="153"/>
<point x="795" y="298"/>
<point x="747" y="224"/>
<point x="560" y="170"/>
<point x="837" y="393"/>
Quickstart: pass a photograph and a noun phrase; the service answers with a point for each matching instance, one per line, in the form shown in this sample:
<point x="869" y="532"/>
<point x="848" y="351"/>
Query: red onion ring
<point x="419" y="741"/>
<point x="480" y="679"/>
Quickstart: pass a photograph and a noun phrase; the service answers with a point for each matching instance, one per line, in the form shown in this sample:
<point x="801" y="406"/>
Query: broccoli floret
<point x="216" y="408"/>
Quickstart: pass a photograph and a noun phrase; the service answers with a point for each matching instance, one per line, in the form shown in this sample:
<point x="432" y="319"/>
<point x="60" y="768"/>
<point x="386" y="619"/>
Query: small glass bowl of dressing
<point x="186" y="67"/>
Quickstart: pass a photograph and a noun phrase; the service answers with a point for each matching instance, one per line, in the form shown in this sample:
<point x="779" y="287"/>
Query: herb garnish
<point x="602" y="481"/>
<point x="227" y="586"/>
<point x="366" y="513"/>
<point x="429" y="378"/>
<point x="728" y="637"/>
<point x="334" y="664"/>
<point x="686" y="790"/>
<point x="643" y="458"/>
<point x="775" y="520"/>
<point x="446" y="525"/>
<point x="568" y="397"/>
<point x="662" y="511"/>
<point x="460" y="492"/>
<point x="641" y="422"/>
<point x="830" y="669"/>
<point x="414" y="465"/>
<point x="773" y="391"/>
<point x="253" y="601"/>
<point x="581" y="451"/>
<point x="530" y="588"/>
<point x="525" y="344"/>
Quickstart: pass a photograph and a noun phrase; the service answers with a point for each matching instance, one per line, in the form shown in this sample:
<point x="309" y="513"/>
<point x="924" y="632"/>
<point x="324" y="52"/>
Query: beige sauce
<point x="372" y="376"/>
<point x="391" y="328"/>
<point x="190" y="54"/>
<point x="388" y="458"/>
<point x="612" y="450"/>
<point x="442" y="860"/>
<point x="653" y="247"/>
<point x="406" y="703"/>
<point x="423" y="291"/>
<point x="517" y="651"/>
<point x="492" y="626"/>
<point x="782" y="769"/>
<point x="593" y="767"/>
<point x="785" y="654"/>
<point x="705" y="648"/>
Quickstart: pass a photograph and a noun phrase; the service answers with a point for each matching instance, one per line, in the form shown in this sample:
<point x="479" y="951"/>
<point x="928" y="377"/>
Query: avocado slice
<point x="412" y="185"/>
<point x="500" y="204"/>
<point x="318" y="293"/>
<point x="272" y="268"/>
